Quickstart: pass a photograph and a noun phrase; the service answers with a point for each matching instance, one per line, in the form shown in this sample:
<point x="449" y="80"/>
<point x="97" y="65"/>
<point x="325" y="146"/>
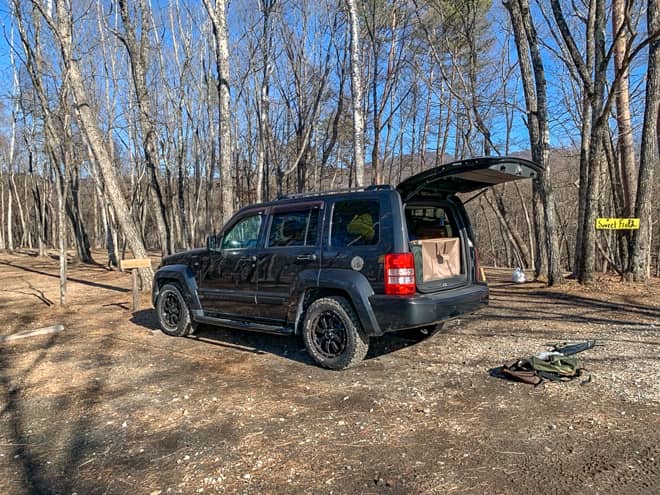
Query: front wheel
<point x="173" y="314"/>
<point x="332" y="334"/>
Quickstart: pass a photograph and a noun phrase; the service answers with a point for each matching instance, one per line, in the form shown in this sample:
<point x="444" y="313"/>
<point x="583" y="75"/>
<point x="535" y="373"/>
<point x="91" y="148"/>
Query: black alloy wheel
<point x="330" y="335"/>
<point x="173" y="314"/>
<point x="171" y="310"/>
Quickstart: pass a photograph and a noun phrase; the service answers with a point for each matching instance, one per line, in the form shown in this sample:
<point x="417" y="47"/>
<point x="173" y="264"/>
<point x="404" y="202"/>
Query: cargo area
<point x="437" y="243"/>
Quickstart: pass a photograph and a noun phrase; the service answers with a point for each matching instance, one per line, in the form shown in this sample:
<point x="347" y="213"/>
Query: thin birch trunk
<point x="218" y="16"/>
<point x="356" y="91"/>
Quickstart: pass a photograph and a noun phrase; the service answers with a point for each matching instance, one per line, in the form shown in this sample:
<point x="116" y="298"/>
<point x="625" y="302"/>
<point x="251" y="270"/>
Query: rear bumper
<point x="395" y="313"/>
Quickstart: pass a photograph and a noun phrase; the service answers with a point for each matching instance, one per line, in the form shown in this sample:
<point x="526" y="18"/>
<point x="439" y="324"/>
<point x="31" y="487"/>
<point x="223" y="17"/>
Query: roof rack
<point x="377" y="187"/>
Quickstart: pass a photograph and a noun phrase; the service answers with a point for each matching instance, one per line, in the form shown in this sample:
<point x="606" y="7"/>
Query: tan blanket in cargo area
<point x="441" y="258"/>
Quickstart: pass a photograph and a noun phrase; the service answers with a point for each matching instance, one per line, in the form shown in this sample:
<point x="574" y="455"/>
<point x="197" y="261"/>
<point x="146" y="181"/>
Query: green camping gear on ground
<point x="553" y="365"/>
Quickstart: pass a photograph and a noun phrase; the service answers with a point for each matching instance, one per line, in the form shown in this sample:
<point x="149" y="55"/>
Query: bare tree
<point x="136" y="46"/>
<point x="648" y="161"/>
<point x="622" y="91"/>
<point x="592" y="73"/>
<point x="534" y="85"/>
<point x="263" y="164"/>
<point x="61" y="25"/>
<point x="356" y="91"/>
<point x="218" y="15"/>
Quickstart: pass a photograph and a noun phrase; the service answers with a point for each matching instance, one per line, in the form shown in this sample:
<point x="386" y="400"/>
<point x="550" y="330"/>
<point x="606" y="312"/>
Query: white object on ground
<point x="518" y="276"/>
<point x="32" y="333"/>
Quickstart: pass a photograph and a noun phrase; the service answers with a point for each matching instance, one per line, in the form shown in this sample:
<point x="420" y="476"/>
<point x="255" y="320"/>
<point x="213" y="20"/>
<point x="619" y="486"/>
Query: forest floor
<point x="111" y="405"/>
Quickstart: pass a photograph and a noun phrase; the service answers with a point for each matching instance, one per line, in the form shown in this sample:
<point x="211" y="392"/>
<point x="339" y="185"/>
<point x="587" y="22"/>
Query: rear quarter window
<point x="355" y="223"/>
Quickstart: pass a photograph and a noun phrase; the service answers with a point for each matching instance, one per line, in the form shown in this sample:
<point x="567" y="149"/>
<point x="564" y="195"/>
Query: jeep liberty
<point x="339" y="267"/>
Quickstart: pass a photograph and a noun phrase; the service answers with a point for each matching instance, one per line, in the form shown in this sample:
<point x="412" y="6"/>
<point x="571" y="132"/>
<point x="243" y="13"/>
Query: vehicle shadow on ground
<point x="290" y="347"/>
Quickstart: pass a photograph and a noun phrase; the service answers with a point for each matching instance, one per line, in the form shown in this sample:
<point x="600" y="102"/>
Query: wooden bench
<point x="133" y="265"/>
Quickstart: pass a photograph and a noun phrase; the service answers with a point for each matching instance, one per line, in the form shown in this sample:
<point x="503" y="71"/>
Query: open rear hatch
<point x="468" y="175"/>
<point x="437" y="229"/>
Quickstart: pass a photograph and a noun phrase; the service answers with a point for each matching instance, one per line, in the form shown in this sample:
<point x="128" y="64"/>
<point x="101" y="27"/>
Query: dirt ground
<point x="111" y="405"/>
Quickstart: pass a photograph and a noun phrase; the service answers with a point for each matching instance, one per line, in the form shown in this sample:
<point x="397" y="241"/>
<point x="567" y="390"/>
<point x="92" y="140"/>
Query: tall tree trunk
<point x="599" y="121"/>
<point x="263" y="148"/>
<point x="534" y="85"/>
<point x="3" y="245"/>
<point x="585" y="140"/>
<point x="583" y="68"/>
<point x="10" y="220"/>
<point x="641" y="245"/>
<point x="12" y="149"/>
<point x="356" y="91"/>
<point x="218" y="16"/>
<point x="62" y="192"/>
<point x="625" y="135"/>
<point x="19" y="204"/>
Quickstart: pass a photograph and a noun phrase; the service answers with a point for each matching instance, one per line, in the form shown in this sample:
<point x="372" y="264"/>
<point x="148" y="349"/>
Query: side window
<point x="294" y="228"/>
<point x="355" y="223"/>
<point x="244" y="234"/>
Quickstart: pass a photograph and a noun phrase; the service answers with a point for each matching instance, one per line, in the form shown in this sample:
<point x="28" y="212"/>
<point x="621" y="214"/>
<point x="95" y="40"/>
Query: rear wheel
<point x="173" y="313"/>
<point x="332" y="334"/>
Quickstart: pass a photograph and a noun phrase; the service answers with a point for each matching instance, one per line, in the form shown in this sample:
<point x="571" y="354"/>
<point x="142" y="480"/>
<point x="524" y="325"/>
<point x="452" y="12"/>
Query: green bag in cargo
<point x="363" y="226"/>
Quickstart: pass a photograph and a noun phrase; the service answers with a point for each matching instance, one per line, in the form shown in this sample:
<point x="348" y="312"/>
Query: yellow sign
<point x="617" y="223"/>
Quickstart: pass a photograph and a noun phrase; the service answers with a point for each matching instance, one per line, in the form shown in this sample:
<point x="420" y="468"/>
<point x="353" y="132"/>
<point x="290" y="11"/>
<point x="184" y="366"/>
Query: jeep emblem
<point x="357" y="263"/>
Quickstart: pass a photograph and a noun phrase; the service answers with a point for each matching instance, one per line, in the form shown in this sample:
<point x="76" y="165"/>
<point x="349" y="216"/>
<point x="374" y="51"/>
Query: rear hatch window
<point x="437" y="242"/>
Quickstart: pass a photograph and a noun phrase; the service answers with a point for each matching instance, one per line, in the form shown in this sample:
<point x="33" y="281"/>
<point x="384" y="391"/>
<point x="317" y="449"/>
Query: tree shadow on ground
<point x="561" y="306"/>
<point x="590" y="302"/>
<point x="72" y="279"/>
<point x="14" y="422"/>
<point x="64" y="455"/>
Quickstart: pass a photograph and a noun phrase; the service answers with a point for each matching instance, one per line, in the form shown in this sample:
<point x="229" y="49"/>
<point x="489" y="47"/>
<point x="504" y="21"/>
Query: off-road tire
<point x="170" y="298"/>
<point x="346" y="336"/>
<point x="420" y="334"/>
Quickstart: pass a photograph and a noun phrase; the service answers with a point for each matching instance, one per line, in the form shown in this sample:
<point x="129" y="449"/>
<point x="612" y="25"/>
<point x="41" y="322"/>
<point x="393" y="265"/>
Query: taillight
<point x="480" y="276"/>
<point x="399" y="274"/>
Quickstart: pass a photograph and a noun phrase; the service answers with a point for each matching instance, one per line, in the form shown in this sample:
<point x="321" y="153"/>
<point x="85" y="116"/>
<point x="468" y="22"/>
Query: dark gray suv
<point x="340" y="266"/>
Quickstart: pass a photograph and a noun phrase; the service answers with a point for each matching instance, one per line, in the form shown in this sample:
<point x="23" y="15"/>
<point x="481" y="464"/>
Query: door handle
<point x="248" y="258"/>
<point x="306" y="257"/>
